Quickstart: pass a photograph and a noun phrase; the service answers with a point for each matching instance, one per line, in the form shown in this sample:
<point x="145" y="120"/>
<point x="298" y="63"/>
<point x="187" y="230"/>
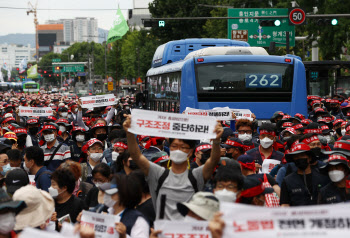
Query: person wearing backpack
<point x="177" y="184"/>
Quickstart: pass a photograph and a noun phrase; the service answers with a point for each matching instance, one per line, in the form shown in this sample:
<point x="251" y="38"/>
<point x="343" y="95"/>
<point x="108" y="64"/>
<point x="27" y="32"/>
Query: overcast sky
<point x="17" y="21"/>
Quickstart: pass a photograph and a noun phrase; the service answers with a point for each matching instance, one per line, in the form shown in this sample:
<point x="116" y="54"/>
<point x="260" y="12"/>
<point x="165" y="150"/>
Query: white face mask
<point x="127" y="108"/>
<point x="64" y="114"/>
<point x="96" y="156"/>
<point x="62" y="128"/>
<point x="49" y="137"/>
<point x="245" y="137"/>
<point x="178" y="156"/>
<point x="115" y="155"/>
<point x="226" y="196"/>
<point x="98" y="184"/>
<point x="108" y="201"/>
<point x="7" y="221"/>
<point x="343" y="131"/>
<point x="266" y="142"/>
<point x="336" y="175"/>
<point x="25" y="167"/>
<point x="329" y="139"/>
<point x="80" y="138"/>
<point x="53" y="192"/>
<point x="190" y="219"/>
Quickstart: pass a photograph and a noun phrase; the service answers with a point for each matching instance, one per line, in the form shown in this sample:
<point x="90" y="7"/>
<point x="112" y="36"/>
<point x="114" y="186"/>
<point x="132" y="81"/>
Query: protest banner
<point x="268" y="165"/>
<point x="172" y="125"/>
<point x="246" y="221"/>
<point x="35" y="111"/>
<point x="243" y="114"/>
<point x="103" y="224"/>
<point x="185" y="229"/>
<point x="98" y="101"/>
<point x="220" y="113"/>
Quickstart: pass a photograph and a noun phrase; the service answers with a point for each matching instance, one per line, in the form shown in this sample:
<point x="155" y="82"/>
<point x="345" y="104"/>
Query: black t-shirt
<point x="91" y="199"/>
<point x="271" y="180"/>
<point x="72" y="207"/>
<point x="147" y="210"/>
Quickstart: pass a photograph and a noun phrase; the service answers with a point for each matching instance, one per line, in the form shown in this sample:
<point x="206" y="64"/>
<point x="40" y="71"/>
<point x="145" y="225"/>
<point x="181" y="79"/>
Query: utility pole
<point x="32" y="9"/>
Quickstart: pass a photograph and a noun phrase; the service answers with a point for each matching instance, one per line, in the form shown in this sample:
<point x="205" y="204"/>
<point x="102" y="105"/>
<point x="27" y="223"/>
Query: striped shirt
<point x="61" y="155"/>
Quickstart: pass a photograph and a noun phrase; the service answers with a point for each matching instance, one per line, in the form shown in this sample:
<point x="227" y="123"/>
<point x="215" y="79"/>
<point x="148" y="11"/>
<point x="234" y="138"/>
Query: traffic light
<point x="269" y="22"/>
<point x="327" y="22"/>
<point x="49" y="75"/>
<point x="153" y="23"/>
<point x="17" y="69"/>
<point x="57" y="75"/>
<point x="45" y="71"/>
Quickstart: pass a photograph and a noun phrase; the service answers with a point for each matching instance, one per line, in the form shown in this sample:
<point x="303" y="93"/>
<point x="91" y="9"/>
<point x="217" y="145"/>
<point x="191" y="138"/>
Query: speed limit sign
<point x="296" y="16"/>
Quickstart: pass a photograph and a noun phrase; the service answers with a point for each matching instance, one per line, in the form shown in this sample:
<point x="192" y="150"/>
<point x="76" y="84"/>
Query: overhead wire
<point x="59" y="9"/>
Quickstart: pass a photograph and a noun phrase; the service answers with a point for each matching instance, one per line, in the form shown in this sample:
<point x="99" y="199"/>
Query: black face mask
<point x="132" y="165"/>
<point x="205" y="157"/>
<point x="102" y="137"/>
<point x="301" y="163"/>
<point x="229" y="155"/>
<point x="21" y="142"/>
<point x="334" y="109"/>
<point x="33" y="131"/>
<point x="338" y="130"/>
<point x="316" y="151"/>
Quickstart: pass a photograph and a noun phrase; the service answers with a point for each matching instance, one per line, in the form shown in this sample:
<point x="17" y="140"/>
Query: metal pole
<point x="287" y="42"/>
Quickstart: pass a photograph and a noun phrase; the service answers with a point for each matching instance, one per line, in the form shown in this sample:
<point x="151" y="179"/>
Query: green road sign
<point x="249" y="29"/>
<point x="56" y="60"/>
<point x="69" y="68"/>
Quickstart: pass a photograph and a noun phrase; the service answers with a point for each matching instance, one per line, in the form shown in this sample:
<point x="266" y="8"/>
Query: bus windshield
<point x="244" y="81"/>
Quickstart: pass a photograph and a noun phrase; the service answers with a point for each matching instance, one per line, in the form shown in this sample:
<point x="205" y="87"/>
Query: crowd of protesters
<point x="52" y="168"/>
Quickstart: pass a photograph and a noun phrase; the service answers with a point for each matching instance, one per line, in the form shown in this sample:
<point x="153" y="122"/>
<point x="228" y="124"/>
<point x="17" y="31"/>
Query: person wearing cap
<point x="122" y="195"/>
<point x="335" y="109"/>
<point x="338" y="171"/>
<point x="265" y="150"/>
<point x="99" y="131"/>
<point x="64" y="128"/>
<point x="55" y="152"/>
<point x="234" y="148"/>
<point x="253" y="192"/>
<point x="15" y="179"/>
<point x="277" y="116"/>
<point x="32" y="126"/>
<point x="314" y="142"/>
<point x="34" y="165"/>
<point x="301" y="187"/>
<point x="8" y="211"/>
<point x="179" y="182"/>
<point x="40" y="207"/>
<point x="201" y="207"/>
<point x="152" y="145"/>
<point x="202" y="154"/>
<point x="63" y="112"/>
<point x="21" y="134"/>
<point x="79" y="136"/>
<point x="228" y="181"/>
<point x="161" y="158"/>
<point x="248" y="169"/>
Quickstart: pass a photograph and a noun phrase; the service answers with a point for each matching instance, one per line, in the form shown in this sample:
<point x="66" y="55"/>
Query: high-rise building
<point x="48" y="36"/>
<point x="139" y="12"/>
<point x="13" y="54"/>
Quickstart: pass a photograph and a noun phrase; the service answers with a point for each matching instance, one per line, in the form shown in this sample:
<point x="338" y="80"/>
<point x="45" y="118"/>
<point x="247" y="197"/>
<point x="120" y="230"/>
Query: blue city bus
<point x="237" y="77"/>
<point x="174" y="51"/>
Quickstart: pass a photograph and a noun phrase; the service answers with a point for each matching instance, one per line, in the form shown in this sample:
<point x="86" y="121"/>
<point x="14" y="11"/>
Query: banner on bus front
<point x="35" y="111"/>
<point x="171" y="125"/>
<point x="221" y="113"/>
<point x="98" y="101"/>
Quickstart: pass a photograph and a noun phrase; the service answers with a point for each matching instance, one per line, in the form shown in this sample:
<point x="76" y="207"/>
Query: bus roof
<point x="174" y="51"/>
<point x="227" y="51"/>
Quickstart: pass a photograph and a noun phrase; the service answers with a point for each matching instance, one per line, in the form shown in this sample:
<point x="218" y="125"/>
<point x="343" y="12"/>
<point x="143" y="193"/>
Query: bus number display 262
<point x="263" y="80"/>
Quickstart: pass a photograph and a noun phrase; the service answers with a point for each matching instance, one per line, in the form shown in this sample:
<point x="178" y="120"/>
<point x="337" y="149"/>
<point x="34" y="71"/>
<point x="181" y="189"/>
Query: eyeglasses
<point x="228" y="187"/>
<point x="182" y="148"/>
<point x="245" y="131"/>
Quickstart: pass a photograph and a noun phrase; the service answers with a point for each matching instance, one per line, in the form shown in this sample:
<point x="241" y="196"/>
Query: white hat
<point x="40" y="207"/>
<point x="203" y="204"/>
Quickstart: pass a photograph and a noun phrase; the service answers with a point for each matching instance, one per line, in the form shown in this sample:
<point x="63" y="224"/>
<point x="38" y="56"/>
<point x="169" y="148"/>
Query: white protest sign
<point x="243" y="114"/>
<point x="103" y="224"/>
<point x="32" y="180"/>
<point x="268" y="165"/>
<point x="29" y="232"/>
<point x="246" y="221"/>
<point x="172" y="125"/>
<point x="176" y="229"/>
<point x="220" y="113"/>
<point x="35" y="111"/>
<point x="98" y="101"/>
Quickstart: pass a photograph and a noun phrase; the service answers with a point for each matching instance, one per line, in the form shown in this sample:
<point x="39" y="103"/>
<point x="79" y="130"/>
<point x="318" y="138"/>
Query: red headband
<point x="298" y="126"/>
<point x="262" y="132"/>
<point x="313" y="131"/>
<point x="164" y="157"/>
<point x="324" y="127"/>
<point x="203" y="147"/>
<point x="49" y="127"/>
<point x="32" y="121"/>
<point x="311" y="139"/>
<point x="347" y="129"/>
<point x="250" y="166"/>
<point x="20" y="130"/>
<point x="252" y="192"/>
<point x="341" y="145"/>
<point x="8" y="119"/>
<point x="336" y="157"/>
<point x="233" y="143"/>
<point x="121" y="145"/>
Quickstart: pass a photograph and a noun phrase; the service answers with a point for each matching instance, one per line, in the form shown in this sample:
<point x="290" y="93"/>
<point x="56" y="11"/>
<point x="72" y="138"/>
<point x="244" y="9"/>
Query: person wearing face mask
<point x="234" y="148"/>
<point x="99" y="131"/>
<point x="122" y="195"/>
<point x="228" y="181"/>
<point x="314" y="105"/>
<point x="95" y="157"/>
<point x="265" y="150"/>
<point x="32" y="126"/>
<point x="64" y="129"/>
<point x="63" y="112"/>
<point x="287" y="133"/>
<point x="202" y="153"/>
<point x="314" y="142"/>
<point x="301" y="187"/>
<point x="55" y="152"/>
<point x="326" y="133"/>
<point x="61" y="190"/>
<point x="34" y="165"/>
<point x="21" y="134"/>
<point x="78" y="137"/>
<point x="245" y="131"/>
<point x="4" y="164"/>
<point x="335" y="109"/>
<point x="8" y="211"/>
<point x="318" y="114"/>
<point x="338" y="171"/>
<point x="337" y="128"/>
<point x="178" y="183"/>
<point x="248" y="169"/>
<point x="277" y="116"/>
<point x="125" y="164"/>
<point x="253" y="192"/>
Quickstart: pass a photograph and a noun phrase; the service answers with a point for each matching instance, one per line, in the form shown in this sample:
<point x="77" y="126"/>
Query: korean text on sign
<point x="35" y="111"/>
<point x="152" y="123"/>
<point x="220" y="113"/>
<point x="181" y="229"/>
<point x="98" y="101"/>
<point x="103" y="224"/>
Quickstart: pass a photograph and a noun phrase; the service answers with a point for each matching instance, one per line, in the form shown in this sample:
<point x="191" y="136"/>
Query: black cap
<point x="253" y="186"/>
<point x="16" y="179"/>
<point x="160" y="157"/>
